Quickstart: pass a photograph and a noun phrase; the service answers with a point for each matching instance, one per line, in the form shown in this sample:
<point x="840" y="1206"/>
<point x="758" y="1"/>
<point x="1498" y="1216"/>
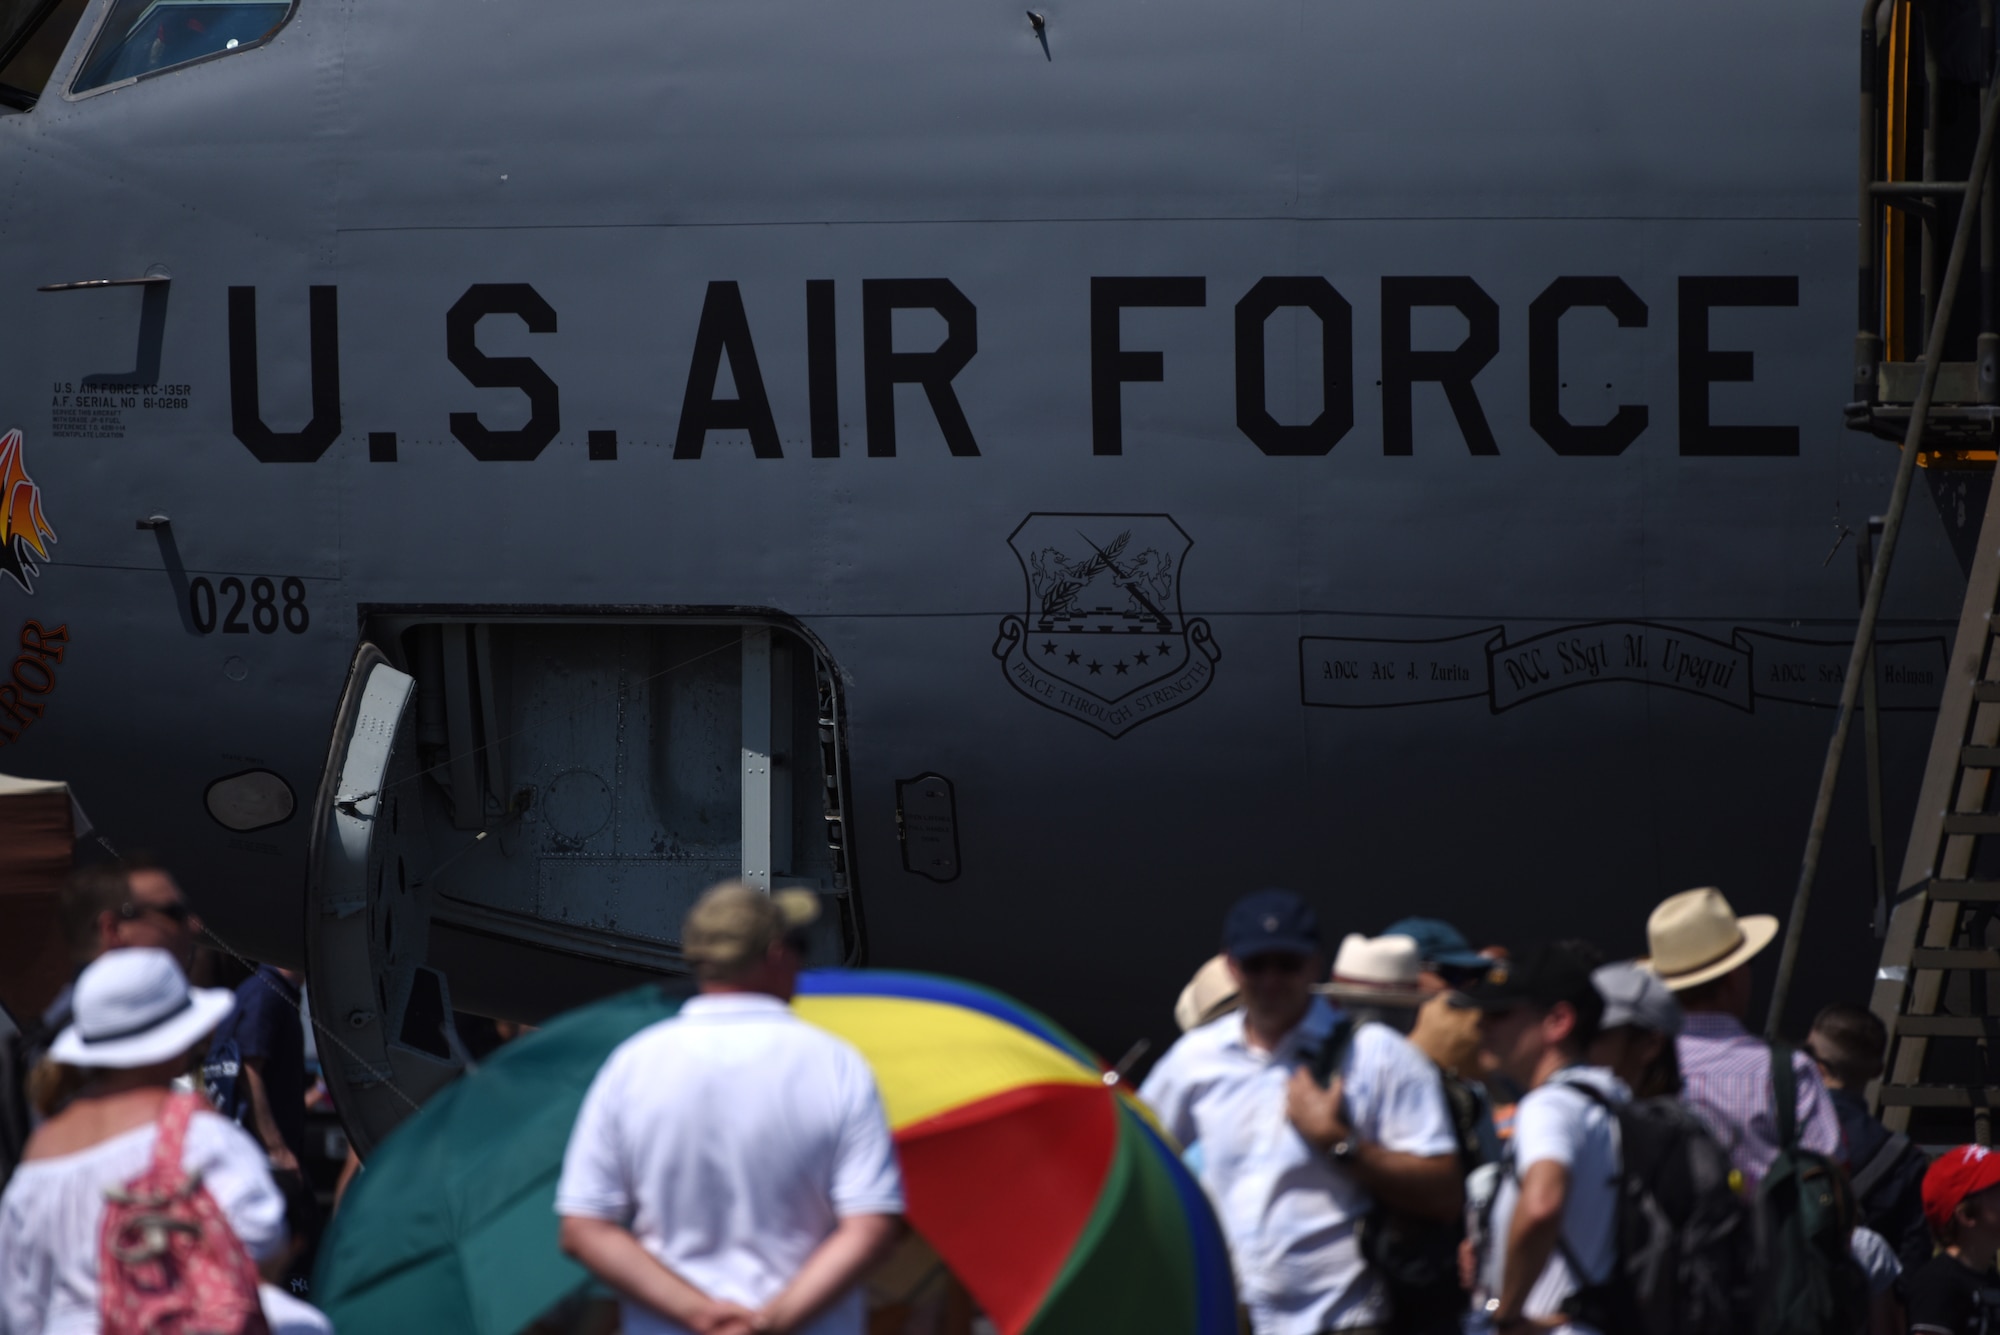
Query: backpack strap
<point x="1785" y="1096"/>
<point x="1604" y="1101"/>
<point x="1511" y="1169"/>
<point x="175" y="1114"/>
<point x="1326" y="1062"/>
<point x="1878" y="1167"/>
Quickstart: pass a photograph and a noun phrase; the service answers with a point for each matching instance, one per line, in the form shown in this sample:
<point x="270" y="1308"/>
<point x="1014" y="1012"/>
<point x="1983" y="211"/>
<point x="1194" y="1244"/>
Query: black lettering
<point x="883" y="368"/>
<point x="1545" y="414"/>
<point x="822" y="369"/>
<point x="245" y="409"/>
<point x="1702" y="366"/>
<point x="1403" y="366"/>
<point x="381" y="447"/>
<point x="1111" y="366"/>
<point x="461" y="344"/>
<point x="1336" y="322"/>
<point x="725" y="328"/>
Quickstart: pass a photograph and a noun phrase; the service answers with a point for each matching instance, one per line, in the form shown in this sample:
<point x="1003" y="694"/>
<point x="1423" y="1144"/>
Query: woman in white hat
<point x="135" y="1024"/>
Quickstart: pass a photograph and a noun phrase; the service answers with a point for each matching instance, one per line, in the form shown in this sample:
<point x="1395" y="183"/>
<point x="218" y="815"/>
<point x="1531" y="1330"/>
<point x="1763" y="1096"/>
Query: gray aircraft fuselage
<point x="1389" y="451"/>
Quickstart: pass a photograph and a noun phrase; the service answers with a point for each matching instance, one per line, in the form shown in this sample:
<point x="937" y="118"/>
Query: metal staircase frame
<point x="1908" y="1009"/>
<point x="1964" y="424"/>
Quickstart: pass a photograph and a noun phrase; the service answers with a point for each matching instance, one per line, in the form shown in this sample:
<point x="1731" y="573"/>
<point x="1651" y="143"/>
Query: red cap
<point x="1954" y="1176"/>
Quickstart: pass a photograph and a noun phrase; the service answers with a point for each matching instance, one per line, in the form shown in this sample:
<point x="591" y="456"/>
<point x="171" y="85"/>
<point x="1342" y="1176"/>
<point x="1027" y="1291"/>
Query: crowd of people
<point x="160" y="1186"/>
<point x="1434" y="1139"/>
<point x="1422" y="1138"/>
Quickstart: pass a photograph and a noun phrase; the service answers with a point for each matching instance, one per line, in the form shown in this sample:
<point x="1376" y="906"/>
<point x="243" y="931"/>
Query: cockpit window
<point x="143" y="37"/>
<point x="33" y="34"/>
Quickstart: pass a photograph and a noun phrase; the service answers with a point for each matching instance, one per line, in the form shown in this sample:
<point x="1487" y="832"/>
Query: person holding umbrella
<point x="731" y="1170"/>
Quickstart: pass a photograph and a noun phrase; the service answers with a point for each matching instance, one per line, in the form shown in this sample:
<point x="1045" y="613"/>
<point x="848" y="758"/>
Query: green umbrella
<point x="451" y="1229"/>
<point x="1044" y="1186"/>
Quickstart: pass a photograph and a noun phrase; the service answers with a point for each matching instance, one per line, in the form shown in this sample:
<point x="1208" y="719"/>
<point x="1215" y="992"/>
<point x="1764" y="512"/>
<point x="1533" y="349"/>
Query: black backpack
<point x="1808" y="1282"/>
<point x="1683" y="1235"/>
<point x="1417" y="1259"/>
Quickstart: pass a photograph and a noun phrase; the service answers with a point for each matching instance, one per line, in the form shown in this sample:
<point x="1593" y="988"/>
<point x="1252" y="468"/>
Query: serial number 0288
<point x="270" y="605"/>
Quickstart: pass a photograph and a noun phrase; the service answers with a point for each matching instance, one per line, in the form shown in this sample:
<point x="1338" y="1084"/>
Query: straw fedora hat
<point x="1209" y="995"/>
<point x="1376" y="971"/>
<point x="1696" y="938"/>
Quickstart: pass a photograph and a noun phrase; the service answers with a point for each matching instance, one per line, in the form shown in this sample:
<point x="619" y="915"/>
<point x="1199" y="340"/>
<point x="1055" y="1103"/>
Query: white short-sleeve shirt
<point x="53" y="1211"/>
<point x="1289" y="1213"/>
<point x="1558" y="1124"/>
<point x="731" y="1139"/>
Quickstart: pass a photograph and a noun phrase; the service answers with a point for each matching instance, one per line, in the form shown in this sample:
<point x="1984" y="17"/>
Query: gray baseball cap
<point x="1636" y="996"/>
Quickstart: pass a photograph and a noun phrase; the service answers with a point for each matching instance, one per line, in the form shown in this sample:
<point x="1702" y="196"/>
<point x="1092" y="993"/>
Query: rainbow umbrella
<point x="1047" y="1189"/>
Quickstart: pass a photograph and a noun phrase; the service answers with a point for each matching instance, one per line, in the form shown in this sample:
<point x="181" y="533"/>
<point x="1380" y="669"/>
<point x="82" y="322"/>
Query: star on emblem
<point x="1164" y="648"/>
<point x="1048" y="646"/>
<point x="1095" y="667"/>
<point x="1073" y="656"/>
<point x="1122" y="666"/>
<point x="1142" y="658"/>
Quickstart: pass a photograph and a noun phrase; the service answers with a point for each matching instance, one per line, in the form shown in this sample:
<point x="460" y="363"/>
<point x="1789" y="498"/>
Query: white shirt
<point x="1876" y="1258"/>
<point x="1289" y="1213"/>
<point x="53" y="1211"/>
<point x="1558" y="1125"/>
<point x="731" y="1140"/>
<point x="287" y="1315"/>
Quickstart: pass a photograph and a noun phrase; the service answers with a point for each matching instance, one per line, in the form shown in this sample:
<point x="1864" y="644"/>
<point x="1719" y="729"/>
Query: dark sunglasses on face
<point x="176" y="912"/>
<point x="1276" y="962"/>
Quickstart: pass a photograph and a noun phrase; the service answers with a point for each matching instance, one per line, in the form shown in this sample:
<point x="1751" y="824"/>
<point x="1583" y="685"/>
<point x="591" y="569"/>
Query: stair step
<point x="1937" y="1096"/>
<point x="1964" y="892"/>
<point x="1972" y="822"/>
<point x="1926" y="957"/>
<point x="1948" y="1026"/>
<point x="1980" y="757"/>
<point x="1986" y="692"/>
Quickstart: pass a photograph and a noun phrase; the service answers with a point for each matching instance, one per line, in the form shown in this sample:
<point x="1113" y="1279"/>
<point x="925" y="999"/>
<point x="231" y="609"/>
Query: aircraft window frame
<point x="100" y="33"/>
<point x="37" y="30"/>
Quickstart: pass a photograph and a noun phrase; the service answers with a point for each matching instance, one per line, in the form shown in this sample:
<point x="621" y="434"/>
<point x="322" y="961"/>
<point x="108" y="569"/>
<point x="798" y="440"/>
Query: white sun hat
<point x="1210" y="994"/>
<point x="1376" y="971"/>
<point x="133" y="1007"/>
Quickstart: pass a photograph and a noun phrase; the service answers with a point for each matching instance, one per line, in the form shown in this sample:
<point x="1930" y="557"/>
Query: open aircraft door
<point x="383" y="1020"/>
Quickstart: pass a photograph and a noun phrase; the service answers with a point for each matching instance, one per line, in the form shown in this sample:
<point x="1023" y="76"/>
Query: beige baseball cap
<point x="734" y="923"/>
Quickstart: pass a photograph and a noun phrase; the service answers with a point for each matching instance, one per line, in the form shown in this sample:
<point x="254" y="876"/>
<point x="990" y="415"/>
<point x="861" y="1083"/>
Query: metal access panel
<point x="585" y="779"/>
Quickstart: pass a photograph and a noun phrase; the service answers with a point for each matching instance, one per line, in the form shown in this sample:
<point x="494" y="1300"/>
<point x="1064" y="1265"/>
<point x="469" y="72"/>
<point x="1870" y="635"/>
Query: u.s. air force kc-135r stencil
<point x="1354" y="673"/>
<point x="1103" y="639"/>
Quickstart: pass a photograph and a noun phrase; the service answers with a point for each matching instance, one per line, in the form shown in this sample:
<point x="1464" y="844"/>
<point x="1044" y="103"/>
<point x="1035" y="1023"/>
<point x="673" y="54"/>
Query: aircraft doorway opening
<point x="518" y="811"/>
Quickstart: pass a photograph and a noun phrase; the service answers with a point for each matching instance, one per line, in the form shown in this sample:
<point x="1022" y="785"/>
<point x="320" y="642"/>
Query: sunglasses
<point x="1275" y="962"/>
<point x="177" y="911"/>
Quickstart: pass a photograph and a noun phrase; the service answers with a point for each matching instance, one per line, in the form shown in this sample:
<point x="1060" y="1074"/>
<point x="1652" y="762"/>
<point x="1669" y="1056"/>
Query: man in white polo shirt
<point x="731" y="1170"/>
<point x="1290" y="1207"/>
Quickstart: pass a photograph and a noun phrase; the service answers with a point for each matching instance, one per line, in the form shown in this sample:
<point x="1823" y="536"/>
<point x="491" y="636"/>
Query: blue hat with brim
<point x="1270" y="922"/>
<point x="1439" y="943"/>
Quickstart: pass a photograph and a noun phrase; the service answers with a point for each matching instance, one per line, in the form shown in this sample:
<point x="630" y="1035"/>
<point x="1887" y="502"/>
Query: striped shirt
<point x="1727" y="1080"/>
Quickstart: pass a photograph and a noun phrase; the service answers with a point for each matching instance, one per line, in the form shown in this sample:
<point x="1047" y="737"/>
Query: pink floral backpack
<point x="168" y="1262"/>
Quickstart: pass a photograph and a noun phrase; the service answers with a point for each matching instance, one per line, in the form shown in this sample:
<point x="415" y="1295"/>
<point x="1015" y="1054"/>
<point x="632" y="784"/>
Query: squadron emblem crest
<point x="1104" y="639"/>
